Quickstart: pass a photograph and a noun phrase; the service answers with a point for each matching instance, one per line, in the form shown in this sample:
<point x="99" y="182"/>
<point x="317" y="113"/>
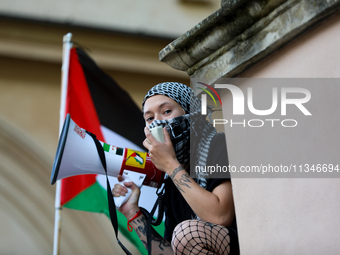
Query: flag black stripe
<point x="120" y="113"/>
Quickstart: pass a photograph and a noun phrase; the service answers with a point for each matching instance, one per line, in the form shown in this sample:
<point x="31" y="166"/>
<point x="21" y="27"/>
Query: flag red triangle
<point x="80" y="105"/>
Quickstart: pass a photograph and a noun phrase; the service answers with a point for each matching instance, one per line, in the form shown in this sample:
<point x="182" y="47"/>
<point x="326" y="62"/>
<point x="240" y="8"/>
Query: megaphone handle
<point x="136" y="178"/>
<point x="119" y="201"/>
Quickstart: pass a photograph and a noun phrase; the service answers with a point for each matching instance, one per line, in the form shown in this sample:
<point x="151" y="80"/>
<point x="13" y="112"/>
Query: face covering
<point x="179" y="130"/>
<point x="202" y="131"/>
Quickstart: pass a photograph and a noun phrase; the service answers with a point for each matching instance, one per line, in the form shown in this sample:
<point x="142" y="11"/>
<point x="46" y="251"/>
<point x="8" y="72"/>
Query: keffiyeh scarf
<point x="192" y="126"/>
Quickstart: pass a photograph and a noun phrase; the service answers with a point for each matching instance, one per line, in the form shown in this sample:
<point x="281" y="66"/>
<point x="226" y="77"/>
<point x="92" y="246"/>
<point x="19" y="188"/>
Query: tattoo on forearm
<point x="162" y="242"/>
<point x="180" y="168"/>
<point x="183" y="181"/>
<point x="155" y="237"/>
<point x="176" y="183"/>
<point x="141" y="229"/>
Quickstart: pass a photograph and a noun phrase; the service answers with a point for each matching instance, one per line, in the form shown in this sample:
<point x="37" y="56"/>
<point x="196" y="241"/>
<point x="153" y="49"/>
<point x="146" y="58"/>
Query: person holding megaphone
<point x="199" y="211"/>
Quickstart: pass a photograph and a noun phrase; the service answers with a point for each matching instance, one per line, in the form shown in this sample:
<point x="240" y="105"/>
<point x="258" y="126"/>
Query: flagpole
<point x="67" y="45"/>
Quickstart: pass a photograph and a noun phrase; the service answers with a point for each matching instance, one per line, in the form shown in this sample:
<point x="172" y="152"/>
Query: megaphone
<point x="77" y="155"/>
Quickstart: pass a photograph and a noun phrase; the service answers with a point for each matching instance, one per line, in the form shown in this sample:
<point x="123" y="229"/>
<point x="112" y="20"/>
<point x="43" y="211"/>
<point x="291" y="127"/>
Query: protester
<point x="199" y="212"/>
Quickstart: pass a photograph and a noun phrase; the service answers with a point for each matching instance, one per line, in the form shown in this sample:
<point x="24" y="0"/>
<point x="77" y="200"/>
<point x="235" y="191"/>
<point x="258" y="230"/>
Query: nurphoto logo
<point x="239" y="100"/>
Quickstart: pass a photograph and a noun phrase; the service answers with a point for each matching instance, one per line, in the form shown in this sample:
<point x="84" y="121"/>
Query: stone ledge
<point x="215" y="31"/>
<point x="228" y="42"/>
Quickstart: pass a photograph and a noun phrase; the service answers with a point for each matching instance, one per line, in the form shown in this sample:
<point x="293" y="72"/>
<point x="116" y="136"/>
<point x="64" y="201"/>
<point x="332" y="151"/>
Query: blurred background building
<point x="124" y="38"/>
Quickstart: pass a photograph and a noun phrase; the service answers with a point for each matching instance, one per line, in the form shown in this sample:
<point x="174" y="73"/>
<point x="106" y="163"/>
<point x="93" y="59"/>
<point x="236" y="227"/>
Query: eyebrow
<point x="160" y="106"/>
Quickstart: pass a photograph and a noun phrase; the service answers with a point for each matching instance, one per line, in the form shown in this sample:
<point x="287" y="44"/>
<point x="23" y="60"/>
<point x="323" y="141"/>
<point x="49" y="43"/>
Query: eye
<point x="168" y="111"/>
<point x="149" y="119"/>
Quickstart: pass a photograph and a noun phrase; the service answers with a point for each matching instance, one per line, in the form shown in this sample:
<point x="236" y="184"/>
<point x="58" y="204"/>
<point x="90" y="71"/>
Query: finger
<point x="149" y="136"/>
<point x="116" y="192"/>
<point x="146" y="144"/>
<point x="120" y="178"/>
<point x="119" y="186"/>
<point x="113" y="192"/>
<point x="131" y="185"/>
<point x="119" y="189"/>
<point x="166" y="135"/>
<point x="135" y="189"/>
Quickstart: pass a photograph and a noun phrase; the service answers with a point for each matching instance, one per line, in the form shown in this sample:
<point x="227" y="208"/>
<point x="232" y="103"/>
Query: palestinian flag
<point x="97" y="104"/>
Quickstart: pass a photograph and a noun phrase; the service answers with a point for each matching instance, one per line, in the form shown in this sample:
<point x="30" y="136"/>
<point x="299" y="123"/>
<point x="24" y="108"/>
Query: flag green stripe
<point x="90" y="199"/>
<point x="94" y="199"/>
<point x="106" y="147"/>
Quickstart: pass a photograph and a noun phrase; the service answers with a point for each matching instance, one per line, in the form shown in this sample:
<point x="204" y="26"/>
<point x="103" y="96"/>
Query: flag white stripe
<point x="115" y="139"/>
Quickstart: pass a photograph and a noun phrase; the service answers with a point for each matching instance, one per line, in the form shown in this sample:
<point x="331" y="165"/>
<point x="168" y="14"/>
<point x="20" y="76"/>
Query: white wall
<point x="292" y="215"/>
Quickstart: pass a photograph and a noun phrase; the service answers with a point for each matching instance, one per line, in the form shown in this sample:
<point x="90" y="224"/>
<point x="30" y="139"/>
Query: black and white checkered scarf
<point x="179" y="130"/>
<point x="193" y="125"/>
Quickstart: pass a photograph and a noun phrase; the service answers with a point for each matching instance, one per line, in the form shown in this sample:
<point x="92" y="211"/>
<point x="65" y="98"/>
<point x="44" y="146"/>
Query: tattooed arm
<point x="215" y="207"/>
<point x="158" y="244"/>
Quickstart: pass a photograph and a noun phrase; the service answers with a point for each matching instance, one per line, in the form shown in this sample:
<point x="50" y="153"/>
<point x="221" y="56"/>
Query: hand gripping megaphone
<point x="77" y="155"/>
